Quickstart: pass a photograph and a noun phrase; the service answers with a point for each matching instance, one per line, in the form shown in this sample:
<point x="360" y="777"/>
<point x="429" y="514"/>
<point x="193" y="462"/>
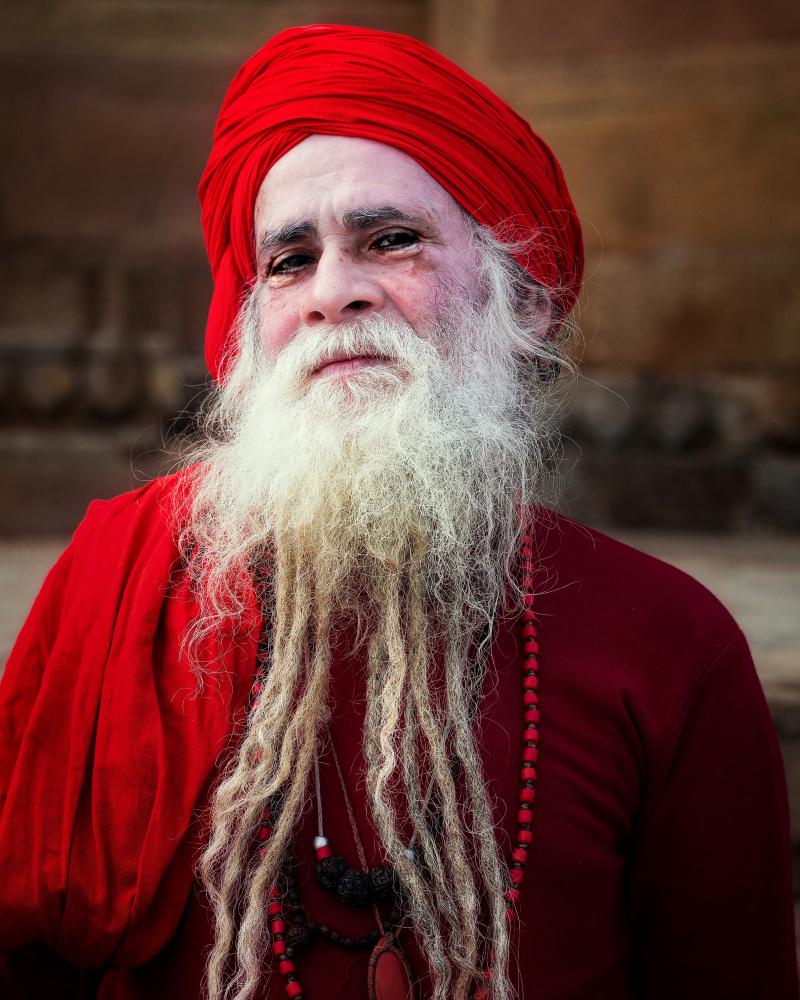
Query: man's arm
<point x="710" y="880"/>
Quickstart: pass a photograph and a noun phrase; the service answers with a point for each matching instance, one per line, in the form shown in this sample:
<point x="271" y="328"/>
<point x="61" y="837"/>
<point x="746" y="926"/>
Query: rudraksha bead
<point x="328" y="871"/>
<point x="383" y="883"/>
<point x="353" y="888"/>
<point x="297" y="938"/>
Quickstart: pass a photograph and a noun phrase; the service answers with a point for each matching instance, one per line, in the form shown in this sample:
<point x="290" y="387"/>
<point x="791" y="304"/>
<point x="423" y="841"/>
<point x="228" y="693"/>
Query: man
<point x="318" y="641"/>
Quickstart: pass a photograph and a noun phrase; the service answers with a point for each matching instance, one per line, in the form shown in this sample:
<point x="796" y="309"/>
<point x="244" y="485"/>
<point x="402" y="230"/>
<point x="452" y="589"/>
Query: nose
<point x="339" y="290"/>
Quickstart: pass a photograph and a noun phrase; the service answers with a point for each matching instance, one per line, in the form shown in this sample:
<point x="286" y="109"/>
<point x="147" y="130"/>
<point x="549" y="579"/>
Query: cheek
<point x="278" y="323"/>
<point x="430" y="288"/>
<point x="417" y="295"/>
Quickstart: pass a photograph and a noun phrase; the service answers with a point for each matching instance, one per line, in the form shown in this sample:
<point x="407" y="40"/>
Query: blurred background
<point x="678" y="128"/>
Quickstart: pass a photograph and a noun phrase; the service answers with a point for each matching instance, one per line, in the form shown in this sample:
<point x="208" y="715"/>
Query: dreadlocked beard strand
<point x="404" y="727"/>
<point x="393" y="497"/>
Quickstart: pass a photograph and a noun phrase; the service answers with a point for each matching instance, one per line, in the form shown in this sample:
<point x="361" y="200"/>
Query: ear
<point x="535" y="310"/>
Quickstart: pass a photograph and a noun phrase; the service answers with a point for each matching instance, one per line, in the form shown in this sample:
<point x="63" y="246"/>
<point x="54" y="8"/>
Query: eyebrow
<point x="363" y="218"/>
<point x="354" y="221"/>
<point x="292" y="232"/>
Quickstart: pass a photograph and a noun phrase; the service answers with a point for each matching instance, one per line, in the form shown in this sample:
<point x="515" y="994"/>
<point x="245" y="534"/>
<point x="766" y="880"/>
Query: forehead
<point x="327" y="175"/>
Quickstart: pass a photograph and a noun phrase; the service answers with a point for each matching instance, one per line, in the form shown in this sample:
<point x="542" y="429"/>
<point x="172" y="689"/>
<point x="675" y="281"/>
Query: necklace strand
<point x="530" y="754"/>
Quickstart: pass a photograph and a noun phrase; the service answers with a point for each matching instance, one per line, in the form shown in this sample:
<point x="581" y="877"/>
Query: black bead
<point x="353" y="888"/>
<point x="349" y="942"/>
<point x="323" y="929"/>
<point x="364" y="941"/>
<point x="382" y="883"/>
<point x="335" y="936"/>
<point x="312" y="927"/>
<point x="328" y="871"/>
<point x="297" y="938"/>
<point x="387" y="925"/>
<point x="374" y="934"/>
<point x="298" y="919"/>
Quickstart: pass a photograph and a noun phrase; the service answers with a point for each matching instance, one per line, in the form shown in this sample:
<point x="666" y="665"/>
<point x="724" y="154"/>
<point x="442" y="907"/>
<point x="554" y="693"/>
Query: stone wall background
<point x="678" y="128"/>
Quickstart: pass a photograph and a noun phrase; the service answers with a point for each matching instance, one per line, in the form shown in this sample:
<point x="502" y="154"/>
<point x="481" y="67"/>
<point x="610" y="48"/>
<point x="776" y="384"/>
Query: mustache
<point x="374" y="337"/>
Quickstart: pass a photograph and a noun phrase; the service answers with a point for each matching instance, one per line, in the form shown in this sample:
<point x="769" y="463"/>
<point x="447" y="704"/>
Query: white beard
<point x="444" y="443"/>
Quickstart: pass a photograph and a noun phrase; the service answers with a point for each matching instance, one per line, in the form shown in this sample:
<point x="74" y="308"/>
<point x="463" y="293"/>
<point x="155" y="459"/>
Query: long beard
<point x="393" y="496"/>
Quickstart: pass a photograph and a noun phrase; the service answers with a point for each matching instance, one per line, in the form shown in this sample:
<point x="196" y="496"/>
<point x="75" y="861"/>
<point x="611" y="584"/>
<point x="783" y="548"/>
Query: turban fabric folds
<point x="337" y="80"/>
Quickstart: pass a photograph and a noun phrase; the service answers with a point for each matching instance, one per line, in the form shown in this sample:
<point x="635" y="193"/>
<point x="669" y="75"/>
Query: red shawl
<point x="101" y="866"/>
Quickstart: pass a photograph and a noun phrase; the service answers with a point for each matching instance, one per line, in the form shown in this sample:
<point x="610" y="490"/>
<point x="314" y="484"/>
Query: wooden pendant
<point x="389" y="974"/>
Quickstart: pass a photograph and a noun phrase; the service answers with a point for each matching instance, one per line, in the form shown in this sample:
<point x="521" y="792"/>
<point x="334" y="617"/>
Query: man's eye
<point x="397" y="240"/>
<point x="285" y="265"/>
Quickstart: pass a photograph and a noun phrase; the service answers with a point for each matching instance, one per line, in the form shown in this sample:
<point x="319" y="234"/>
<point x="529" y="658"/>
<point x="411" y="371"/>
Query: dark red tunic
<point x="660" y="865"/>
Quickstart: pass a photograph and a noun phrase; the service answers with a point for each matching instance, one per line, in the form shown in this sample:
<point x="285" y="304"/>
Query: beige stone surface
<point x="24" y="563"/>
<point x="678" y="130"/>
<point x="216" y="28"/>
<point x="525" y="28"/>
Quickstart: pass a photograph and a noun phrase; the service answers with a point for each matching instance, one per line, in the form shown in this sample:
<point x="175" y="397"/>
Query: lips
<point x="345" y="362"/>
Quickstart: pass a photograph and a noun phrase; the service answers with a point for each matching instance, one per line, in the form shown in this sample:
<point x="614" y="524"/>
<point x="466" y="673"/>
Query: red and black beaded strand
<point x="530" y="751"/>
<point x="530" y="754"/>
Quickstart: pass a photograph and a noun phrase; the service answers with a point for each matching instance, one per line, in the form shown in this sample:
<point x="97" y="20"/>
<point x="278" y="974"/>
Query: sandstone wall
<point x="676" y="125"/>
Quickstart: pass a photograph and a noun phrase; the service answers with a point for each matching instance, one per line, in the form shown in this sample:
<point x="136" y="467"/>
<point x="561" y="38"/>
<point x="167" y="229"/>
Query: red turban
<point x="390" y="88"/>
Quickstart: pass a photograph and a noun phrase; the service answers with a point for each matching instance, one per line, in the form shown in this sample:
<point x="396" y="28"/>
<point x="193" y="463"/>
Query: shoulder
<point x="132" y="529"/>
<point x="124" y="549"/>
<point x="153" y="505"/>
<point x="119" y="546"/>
<point x="621" y="589"/>
<point x="626" y="638"/>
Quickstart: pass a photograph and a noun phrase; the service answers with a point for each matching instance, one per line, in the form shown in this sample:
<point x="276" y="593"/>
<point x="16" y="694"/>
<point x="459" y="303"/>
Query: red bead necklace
<point x="530" y="753"/>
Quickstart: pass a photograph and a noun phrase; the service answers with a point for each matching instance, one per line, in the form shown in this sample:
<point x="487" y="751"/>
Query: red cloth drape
<point x="393" y="89"/>
<point x="97" y="706"/>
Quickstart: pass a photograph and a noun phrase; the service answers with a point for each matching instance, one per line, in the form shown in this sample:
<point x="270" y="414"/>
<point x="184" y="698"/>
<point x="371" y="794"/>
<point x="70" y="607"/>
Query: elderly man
<point x="273" y="726"/>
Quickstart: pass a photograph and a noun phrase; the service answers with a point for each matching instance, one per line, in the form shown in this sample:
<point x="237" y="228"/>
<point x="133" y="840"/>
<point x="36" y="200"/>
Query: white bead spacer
<point x="411" y="854"/>
<point x="320" y="842"/>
